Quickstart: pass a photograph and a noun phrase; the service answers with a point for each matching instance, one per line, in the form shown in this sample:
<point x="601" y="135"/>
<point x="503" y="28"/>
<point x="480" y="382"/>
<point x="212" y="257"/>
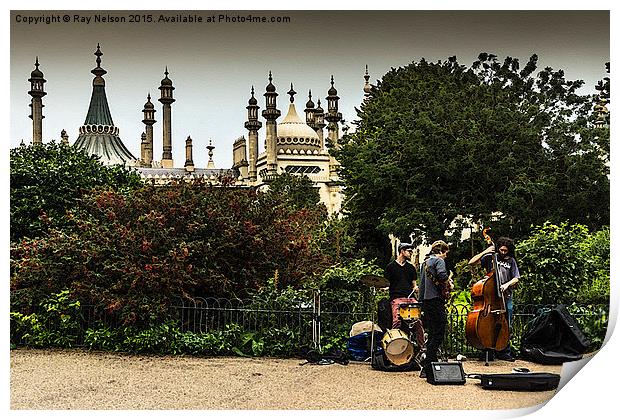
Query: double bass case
<point x="531" y="381"/>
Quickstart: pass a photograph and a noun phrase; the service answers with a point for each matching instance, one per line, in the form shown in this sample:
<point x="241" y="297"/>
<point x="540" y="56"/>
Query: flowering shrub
<point x="132" y="255"/>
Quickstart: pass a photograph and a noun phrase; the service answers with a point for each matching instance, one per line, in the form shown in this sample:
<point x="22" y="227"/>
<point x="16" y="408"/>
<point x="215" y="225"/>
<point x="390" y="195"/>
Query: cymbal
<point x="374" y="281"/>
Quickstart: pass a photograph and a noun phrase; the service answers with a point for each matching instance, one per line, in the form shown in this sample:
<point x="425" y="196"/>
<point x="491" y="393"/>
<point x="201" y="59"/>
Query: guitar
<point x="445" y="286"/>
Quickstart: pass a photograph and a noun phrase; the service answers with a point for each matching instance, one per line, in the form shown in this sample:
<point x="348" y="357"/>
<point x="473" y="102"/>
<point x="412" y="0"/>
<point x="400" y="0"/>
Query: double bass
<point x="487" y="324"/>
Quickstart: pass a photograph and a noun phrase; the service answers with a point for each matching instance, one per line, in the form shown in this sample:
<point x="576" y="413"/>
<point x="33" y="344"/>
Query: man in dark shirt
<point x="508" y="275"/>
<point x="402" y="276"/>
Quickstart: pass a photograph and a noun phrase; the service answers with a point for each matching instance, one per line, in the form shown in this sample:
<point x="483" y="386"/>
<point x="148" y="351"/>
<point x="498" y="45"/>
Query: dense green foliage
<point x="439" y="140"/>
<point x="564" y="264"/>
<point x="46" y="181"/>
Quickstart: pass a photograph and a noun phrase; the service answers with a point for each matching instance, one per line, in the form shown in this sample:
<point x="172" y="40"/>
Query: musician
<point x="402" y="276"/>
<point x="433" y="274"/>
<point x="508" y="275"/>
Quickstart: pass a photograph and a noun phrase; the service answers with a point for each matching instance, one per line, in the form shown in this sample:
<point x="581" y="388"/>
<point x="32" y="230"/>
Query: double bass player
<point x="508" y="276"/>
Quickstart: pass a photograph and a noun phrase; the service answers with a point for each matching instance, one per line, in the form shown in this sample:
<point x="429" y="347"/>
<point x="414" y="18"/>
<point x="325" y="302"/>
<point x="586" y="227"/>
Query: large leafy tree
<point x="47" y="179"/>
<point x="489" y="142"/>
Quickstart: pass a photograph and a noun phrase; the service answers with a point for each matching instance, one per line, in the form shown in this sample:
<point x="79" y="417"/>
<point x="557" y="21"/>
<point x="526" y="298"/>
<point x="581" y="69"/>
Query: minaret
<point x="36" y="104"/>
<point x="98" y="136"/>
<point x="333" y="117"/>
<point x="64" y="137"/>
<point x="149" y="120"/>
<point x="253" y="125"/>
<point x="166" y="99"/>
<point x="601" y="111"/>
<point x="310" y="111"/>
<point x="189" y="159"/>
<point x="319" y="123"/>
<point x="367" y="86"/>
<point x="271" y="114"/>
<point x="210" y="164"/>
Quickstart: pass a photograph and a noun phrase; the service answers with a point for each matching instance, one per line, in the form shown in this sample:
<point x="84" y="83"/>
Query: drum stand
<point x="372" y="325"/>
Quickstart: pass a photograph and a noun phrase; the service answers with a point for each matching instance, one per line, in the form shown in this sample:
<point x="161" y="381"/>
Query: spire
<point x="292" y="93"/>
<point x="252" y="100"/>
<point x="270" y="87"/>
<point x="98" y="71"/>
<point x="367" y="86"/>
<point x="98" y="135"/>
<point x="98" y="111"/>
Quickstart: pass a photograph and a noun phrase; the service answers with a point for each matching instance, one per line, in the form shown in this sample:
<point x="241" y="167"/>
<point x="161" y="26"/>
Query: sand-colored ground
<point x="77" y="379"/>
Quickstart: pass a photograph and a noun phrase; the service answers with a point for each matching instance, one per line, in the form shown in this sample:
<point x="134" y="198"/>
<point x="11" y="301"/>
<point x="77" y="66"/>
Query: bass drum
<point x="397" y="346"/>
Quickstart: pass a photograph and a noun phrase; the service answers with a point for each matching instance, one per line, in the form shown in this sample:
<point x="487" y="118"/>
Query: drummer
<point x="402" y="276"/>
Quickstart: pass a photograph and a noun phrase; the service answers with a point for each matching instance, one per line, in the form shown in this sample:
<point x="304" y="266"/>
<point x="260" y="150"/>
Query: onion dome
<point x="149" y="104"/>
<point x="332" y="90"/>
<point x="318" y="109"/>
<point x="166" y="81"/>
<point x="36" y="73"/>
<point x="309" y="104"/>
<point x="295" y="134"/>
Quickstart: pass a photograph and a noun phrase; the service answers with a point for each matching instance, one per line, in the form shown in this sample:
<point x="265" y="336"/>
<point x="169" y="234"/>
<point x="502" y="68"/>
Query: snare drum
<point x="398" y="348"/>
<point x="410" y="311"/>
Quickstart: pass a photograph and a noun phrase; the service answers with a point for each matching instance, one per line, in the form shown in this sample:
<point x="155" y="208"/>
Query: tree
<point x="298" y="191"/>
<point x="491" y="142"/>
<point x="47" y="179"/>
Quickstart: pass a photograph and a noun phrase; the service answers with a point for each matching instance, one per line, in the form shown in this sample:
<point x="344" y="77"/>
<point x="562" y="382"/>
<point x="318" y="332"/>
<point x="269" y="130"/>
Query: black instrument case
<point x="533" y="381"/>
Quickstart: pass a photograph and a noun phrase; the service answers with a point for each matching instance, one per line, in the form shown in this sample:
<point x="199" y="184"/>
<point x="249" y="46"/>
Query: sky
<point x="214" y="65"/>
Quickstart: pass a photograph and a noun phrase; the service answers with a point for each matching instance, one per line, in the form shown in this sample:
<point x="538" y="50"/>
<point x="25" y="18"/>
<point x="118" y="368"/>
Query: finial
<point x="252" y="91"/>
<point x="148" y="97"/>
<point x="367" y="87"/>
<point x="292" y="93"/>
<point x="270" y="76"/>
<point x="166" y="71"/>
<point x="98" y="71"/>
<point x="36" y="63"/>
<point x="98" y="53"/>
<point x="332" y="80"/>
<point x="310" y="94"/>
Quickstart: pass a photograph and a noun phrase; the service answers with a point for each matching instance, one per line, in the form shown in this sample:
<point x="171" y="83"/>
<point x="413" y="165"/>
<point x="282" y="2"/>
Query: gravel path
<point x="82" y="380"/>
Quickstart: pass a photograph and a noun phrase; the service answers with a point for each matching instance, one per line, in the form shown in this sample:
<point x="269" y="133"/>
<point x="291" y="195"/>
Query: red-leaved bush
<point x="133" y="255"/>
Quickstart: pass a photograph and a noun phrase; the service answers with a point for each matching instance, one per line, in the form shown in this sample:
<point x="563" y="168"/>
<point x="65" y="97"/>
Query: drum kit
<point x="399" y="345"/>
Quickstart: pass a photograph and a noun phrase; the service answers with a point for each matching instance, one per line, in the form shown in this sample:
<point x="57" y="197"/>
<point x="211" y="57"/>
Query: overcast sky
<point x="213" y="65"/>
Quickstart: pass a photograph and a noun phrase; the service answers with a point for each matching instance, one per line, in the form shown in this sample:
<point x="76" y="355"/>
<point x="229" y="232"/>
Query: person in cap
<point x="403" y="277"/>
<point x="435" y="281"/>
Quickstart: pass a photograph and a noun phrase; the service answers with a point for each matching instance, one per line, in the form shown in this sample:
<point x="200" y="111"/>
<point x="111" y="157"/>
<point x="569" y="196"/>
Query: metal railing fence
<point x="315" y="323"/>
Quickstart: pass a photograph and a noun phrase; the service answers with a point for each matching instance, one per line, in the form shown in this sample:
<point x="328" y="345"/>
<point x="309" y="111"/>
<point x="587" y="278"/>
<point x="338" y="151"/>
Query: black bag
<point x="533" y="381"/>
<point x="553" y="337"/>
